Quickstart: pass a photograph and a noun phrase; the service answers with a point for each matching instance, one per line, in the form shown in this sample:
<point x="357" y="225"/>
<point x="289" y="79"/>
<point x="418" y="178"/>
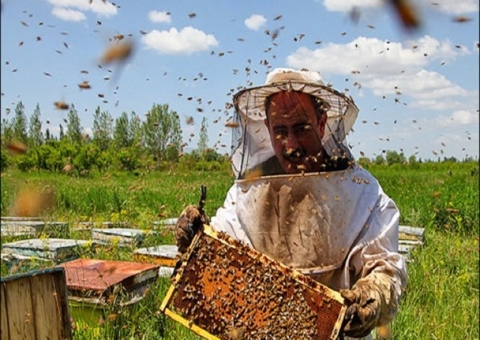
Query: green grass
<point x="441" y="300"/>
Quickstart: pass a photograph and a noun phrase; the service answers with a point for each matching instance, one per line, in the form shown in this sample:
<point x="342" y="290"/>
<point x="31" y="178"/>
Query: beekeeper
<point x="300" y="198"/>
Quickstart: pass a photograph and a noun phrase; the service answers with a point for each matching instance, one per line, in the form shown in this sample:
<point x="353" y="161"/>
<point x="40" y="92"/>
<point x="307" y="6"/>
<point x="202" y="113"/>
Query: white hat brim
<point x="250" y="103"/>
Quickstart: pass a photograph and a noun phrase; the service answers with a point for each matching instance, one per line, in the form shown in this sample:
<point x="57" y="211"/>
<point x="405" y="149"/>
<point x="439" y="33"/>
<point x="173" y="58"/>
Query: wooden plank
<point x="411" y="242"/>
<point x="20" y="313"/>
<point x="165" y="255"/>
<point x="3" y="315"/>
<point x="124" y="236"/>
<point x="54" y="249"/>
<point x="45" y="307"/>
<point x="411" y="233"/>
<point x="50" y="305"/>
<point x="44" y="292"/>
<point x="60" y="283"/>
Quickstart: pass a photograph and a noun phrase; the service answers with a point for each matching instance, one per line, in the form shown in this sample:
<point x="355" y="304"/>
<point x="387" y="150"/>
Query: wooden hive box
<point x="34" y="305"/>
<point x="49" y="251"/>
<point x="165" y="255"/>
<point x="124" y="236"/>
<point x="19" y="227"/>
<point x="227" y="290"/>
<point x="94" y="285"/>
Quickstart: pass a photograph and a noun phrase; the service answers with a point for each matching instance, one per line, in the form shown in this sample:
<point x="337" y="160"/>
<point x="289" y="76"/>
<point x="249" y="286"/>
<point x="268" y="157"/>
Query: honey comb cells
<point x="227" y="290"/>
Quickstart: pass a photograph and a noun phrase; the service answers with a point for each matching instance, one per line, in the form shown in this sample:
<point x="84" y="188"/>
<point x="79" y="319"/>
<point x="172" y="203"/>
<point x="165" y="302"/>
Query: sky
<point x="417" y="89"/>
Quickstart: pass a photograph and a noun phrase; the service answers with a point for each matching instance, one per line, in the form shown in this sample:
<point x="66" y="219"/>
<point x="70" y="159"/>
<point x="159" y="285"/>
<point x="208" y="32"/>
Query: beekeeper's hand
<point x="364" y="301"/>
<point x="190" y="221"/>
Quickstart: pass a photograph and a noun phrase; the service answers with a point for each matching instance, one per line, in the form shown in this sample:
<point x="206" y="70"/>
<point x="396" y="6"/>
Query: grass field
<point x="442" y="297"/>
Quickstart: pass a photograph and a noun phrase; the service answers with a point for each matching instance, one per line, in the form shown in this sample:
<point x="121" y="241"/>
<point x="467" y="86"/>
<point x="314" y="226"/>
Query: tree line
<point x="124" y="143"/>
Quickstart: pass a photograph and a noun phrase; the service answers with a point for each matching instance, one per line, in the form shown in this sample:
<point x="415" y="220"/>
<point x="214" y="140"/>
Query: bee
<point x="118" y="52"/>
<point x="232" y="124"/>
<point x="189" y="120"/>
<point x="84" y="85"/>
<point x="16" y="148"/>
<point x="61" y="105"/>
<point x="462" y="19"/>
<point x="118" y="37"/>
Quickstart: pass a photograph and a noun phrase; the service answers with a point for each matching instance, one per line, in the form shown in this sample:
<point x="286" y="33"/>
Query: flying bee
<point x="118" y="52"/>
<point x="84" y="85"/>
<point x="61" y="105"/>
<point x="16" y="148"/>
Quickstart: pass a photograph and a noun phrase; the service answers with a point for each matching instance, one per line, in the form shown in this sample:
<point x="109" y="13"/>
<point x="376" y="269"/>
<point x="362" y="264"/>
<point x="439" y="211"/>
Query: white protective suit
<point x="336" y="226"/>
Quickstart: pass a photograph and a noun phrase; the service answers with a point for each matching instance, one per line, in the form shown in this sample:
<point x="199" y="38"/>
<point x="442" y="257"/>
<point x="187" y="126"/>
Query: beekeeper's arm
<point x="373" y="299"/>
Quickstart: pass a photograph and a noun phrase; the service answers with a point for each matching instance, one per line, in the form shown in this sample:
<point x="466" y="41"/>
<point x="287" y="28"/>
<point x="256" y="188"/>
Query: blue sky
<point x="418" y="92"/>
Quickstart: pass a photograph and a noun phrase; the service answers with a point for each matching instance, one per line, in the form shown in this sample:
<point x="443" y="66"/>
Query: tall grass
<point x="441" y="300"/>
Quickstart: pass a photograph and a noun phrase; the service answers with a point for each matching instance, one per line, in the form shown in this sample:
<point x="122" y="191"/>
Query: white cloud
<point x="186" y="41"/>
<point x="68" y="14"/>
<point x="390" y="68"/>
<point x="461" y="117"/>
<point x="373" y="57"/>
<point x="162" y="17"/>
<point x="99" y="7"/>
<point x="255" y="21"/>
<point x="349" y="5"/>
<point x="456" y="7"/>
<point x="445" y="6"/>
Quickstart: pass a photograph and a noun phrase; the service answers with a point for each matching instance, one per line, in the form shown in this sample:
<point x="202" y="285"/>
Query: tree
<point x="85" y="158"/>
<point x="74" y="130"/>
<point x="162" y="132"/>
<point x="61" y="134"/>
<point x="35" y="128"/>
<point x="102" y="129"/>
<point x="364" y="161"/>
<point x="136" y="131"/>
<point x="379" y="160"/>
<point x="7" y="130"/>
<point x="19" y="124"/>
<point x="394" y="157"/>
<point x="121" y="133"/>
<point x="203" y="137"/>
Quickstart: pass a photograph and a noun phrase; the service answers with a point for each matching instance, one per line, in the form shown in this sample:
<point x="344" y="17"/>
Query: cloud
<point x="445" y="6"/>
<point x="71" y="10"/>
<point x="349" y="5"/>
<point x="461" y="117"/>
<point x="68" y="14"/>
<point x="185" y="42"/>
<point x="162" y="17"/>
<point x="374" y="57"/>
<point x="255" y="21"/>
<point x="390" y="68"/>
<point x="456" y="7"/>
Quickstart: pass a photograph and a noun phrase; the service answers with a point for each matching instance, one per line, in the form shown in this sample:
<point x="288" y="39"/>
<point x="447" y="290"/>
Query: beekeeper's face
<point x="296" y="129"/>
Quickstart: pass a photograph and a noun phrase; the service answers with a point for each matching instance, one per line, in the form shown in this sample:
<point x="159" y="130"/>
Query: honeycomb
<point x="227" y="290"/>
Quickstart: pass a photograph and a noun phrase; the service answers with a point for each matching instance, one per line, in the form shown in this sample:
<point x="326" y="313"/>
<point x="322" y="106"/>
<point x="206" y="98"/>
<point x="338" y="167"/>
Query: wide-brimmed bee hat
<point x="250" y="109"/>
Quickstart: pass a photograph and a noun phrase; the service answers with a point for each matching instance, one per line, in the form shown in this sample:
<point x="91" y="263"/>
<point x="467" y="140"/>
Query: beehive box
<point x="97" y="285"/>
<point x="122" y="236"/>
<point x="19" y="227"/>
<point x="56" y="250"/>
<point x="165" y="255"/>
<point x="34" y="306"/>
<point x="227" y="290"/>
